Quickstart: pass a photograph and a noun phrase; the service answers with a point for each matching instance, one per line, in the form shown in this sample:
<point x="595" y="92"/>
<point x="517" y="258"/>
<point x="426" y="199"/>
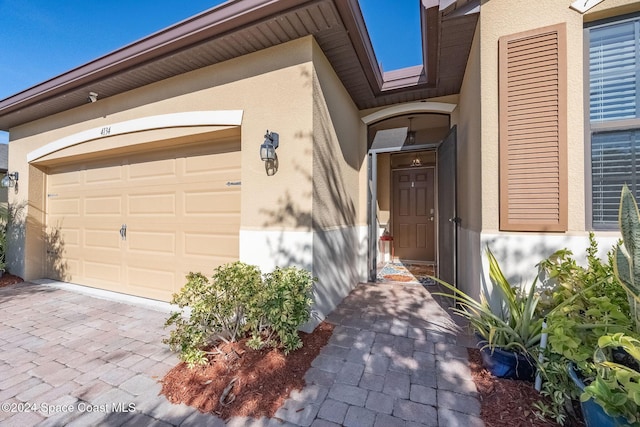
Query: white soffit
<point x="583" y="5"/>
<point x="184" y="119"/>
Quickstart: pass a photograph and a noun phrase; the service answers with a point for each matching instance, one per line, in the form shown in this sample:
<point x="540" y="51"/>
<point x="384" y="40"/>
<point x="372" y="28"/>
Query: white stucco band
<point x="269" y="249"/>
<point x="337" y="257"/>
<point x="519" y="253"/>
<point x="162" y="121"/>
<point x="408" y="108"/>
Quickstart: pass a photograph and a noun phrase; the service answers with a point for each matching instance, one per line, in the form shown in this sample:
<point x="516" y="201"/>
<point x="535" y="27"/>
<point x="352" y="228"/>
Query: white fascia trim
<point x="583" y="6"/>
<point x="411" y="107"/>
<point x="162" y="121"/>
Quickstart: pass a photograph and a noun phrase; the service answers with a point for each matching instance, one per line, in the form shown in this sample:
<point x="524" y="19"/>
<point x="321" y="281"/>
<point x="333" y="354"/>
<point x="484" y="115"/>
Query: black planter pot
<point x="507" y="364"/>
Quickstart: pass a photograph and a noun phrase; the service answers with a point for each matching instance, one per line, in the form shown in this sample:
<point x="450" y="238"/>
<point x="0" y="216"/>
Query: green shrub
<point x="581" y="304"/>
<point x="237" y="301"/>
<point x="285" y="304"/>
<point x="5" y="219"/>
<point x="211" y="310"/>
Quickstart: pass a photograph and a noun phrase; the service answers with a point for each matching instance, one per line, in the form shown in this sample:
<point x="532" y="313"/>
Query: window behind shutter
<point x="533" y="171"/>
<point x="614" y="116"/>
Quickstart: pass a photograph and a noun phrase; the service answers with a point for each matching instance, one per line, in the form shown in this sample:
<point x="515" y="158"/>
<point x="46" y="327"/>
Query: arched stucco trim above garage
<point x="408" y="108"/>
<point x="162" y="121"/>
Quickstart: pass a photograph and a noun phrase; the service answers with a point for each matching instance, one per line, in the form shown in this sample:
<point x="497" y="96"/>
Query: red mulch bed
<point x="504" y="403"/>
<point x="263" y="379"/>
<point x="9" y="279"/>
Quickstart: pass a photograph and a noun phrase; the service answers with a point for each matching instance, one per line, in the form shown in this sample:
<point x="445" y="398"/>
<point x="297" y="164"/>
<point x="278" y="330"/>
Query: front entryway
<point x="412" y="193"/>
<point x="413" y="225"/>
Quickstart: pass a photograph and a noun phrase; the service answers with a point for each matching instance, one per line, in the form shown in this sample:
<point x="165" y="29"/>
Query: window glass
<point x="614" y="113"/>
<point x="613" y="65"/>
<point x="614" y="162"/>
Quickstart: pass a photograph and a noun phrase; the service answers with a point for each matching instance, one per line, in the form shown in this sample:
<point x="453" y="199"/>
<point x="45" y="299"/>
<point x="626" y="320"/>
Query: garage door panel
<point x="64" y="207"/>
<point x="205" y="265"/>
<point x="106" y="239"/>
<point x="153" y="170"/>
<point x="106" y="205"/>
<point x="210" y="244"/>
<point x="102" y="271"/>
<point x="221" y="224"/>
<point x="208" y="202"/>
<point x="213" y="164"/>
<point x="104" y="175"/>
<point x="155" y="282"/>
<point x="180" y="214"/>
<point x="64" y="180"/>
<point x="152" y="242"/>
<point x="67" y="238"/>
<point x="63" y="270"/>
<point x="158" y="204"/>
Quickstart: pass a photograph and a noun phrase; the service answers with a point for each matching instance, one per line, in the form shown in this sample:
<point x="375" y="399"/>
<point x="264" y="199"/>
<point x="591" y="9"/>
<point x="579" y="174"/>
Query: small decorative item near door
<point x="387" y="250"/>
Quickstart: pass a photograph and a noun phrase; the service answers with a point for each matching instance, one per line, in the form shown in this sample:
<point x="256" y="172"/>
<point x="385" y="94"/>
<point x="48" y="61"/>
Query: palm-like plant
<point x="516" y="327"/>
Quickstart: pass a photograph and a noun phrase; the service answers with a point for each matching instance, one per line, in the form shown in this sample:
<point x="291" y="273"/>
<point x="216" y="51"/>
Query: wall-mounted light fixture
<point x="411" y="135"/>
<point x="9" y="180"/>
<point x="268" y="152"/>
<point x="93" y="97"/>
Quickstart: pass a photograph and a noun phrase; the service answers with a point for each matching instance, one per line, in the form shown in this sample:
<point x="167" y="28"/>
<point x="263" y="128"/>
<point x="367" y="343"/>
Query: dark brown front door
<point x="413" y="214"/>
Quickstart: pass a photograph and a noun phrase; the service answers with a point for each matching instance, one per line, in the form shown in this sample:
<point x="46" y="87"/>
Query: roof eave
<point x="228" y="16"/>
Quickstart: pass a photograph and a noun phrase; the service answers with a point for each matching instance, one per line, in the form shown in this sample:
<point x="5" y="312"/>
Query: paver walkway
<point x="68" y="358"/>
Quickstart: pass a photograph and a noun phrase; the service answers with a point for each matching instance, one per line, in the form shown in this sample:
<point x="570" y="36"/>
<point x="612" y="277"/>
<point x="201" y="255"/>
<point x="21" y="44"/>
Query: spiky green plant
<point x="516" y="327"/>
<point x="627" y="254"/>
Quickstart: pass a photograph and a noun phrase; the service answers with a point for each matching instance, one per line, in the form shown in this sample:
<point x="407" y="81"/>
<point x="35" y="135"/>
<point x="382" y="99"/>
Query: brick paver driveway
<point x="68" y="358"/>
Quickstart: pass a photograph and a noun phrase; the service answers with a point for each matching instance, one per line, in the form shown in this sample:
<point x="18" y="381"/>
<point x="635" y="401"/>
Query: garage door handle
<point x="123" y="232"/>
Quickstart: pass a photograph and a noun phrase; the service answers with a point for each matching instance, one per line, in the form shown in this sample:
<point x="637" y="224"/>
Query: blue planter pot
<point x="507" y="364"/>
<point x="593" y="414"/>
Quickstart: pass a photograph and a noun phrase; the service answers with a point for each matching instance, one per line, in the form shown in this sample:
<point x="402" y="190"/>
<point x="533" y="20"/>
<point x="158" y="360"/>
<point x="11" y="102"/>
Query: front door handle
<point x="123" y="232"/>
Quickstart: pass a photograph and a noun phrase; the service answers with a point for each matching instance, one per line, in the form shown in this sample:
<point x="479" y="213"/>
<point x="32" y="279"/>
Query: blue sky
<point x="40" y="39"/>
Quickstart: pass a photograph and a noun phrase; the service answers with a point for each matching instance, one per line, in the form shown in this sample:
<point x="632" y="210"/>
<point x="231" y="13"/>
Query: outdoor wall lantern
<point x="268" y="152"/>
<point x="9" y="180"/>
<point x="411" y="135"/>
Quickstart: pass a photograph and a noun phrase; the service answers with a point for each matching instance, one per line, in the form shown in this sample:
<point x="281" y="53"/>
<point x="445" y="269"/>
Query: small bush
<point x="285" y="304"/>
<point x="211" y="310"/>
<point x="236" y="301"/>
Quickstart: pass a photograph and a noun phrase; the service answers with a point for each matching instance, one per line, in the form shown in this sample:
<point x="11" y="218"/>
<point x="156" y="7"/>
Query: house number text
<point x="105" y="130"/>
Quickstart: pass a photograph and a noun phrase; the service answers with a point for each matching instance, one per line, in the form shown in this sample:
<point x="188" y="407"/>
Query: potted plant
<point x="616" y="386"/>
<point x="612" y="398"/>
<point x="580" y="304"/>
<point x="598" y="313"/>
<point x="509" y="336"/>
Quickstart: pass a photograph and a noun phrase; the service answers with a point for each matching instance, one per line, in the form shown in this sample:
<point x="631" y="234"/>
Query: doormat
<point x="414" y="274"/>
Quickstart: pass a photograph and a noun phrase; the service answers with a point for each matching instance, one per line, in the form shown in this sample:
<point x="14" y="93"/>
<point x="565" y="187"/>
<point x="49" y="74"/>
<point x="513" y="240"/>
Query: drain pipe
<point x="543" y="346"/>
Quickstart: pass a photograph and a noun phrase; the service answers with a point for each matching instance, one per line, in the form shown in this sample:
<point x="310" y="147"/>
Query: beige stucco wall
<point x="273" y="87"/>
<point x="504" y="17"/>
<point x="470" y="170"/>
<point x="339" y="149"/>
<point x="518" y="253"/>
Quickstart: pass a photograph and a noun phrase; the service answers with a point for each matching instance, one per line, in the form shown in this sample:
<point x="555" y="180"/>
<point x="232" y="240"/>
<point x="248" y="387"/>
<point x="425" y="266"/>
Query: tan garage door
<point x="181" y="210"/>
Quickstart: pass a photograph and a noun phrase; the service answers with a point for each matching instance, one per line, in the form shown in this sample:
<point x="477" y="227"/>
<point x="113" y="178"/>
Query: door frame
<point x="372" y="200"/>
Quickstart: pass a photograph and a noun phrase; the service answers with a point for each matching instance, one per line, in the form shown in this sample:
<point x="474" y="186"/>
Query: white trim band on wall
<point x="408" y="108"/>
<point x="189" y="118"/>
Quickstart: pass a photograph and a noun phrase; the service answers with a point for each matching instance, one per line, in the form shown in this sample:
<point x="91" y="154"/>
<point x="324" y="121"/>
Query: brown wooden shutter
<point x="533" y="136"/>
